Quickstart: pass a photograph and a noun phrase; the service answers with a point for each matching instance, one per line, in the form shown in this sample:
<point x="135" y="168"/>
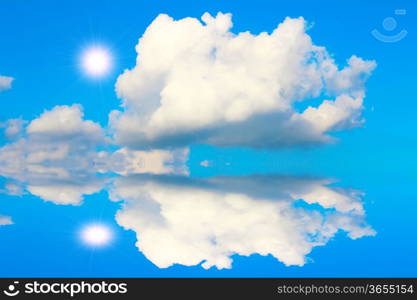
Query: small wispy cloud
<point x="5" y="83"/>
<point x="5" y="220"/>
<point x="13" y="128"/>
<point x="205" y="163"/>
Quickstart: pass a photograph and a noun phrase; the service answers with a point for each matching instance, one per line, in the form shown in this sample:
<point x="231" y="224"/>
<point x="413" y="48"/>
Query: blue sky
<point x="41" y="47"/>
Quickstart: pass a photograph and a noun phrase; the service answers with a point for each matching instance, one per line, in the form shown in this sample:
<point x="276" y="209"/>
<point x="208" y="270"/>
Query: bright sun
<point x="96" y="235"/>
<point x="96" y="61"/>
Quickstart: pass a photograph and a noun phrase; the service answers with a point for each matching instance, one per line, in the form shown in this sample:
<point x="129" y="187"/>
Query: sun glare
<point x="96" y="61"/>
<point x="96" y="235"/>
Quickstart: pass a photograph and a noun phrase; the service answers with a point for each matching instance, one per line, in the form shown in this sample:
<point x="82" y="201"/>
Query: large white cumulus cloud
<point x="199" y="83"/>
<point x="190" y="221"/>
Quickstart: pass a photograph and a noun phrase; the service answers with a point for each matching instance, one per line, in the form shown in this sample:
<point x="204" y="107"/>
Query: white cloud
<point x="14" y="128"/>
<point x="126" y="161"/>
<point x="205" y="163"/>
<point x="179" y="219"/>
<point x="344" y="112"/>
<point x="56" y="157"/>
<point x="65" y="191"/>
<point x="188" y="222"/>
<point x="12" y="188"/>
<point x="59" y="138"/>
<point x="345" y="201"/>
<point x="65" y="122"/>
<point x="351" y="78"/>
<point x="5" y="83"/>
<point x="4" y="220"/>
<point x="57" y="172"/>
<point x="200" y="83"/>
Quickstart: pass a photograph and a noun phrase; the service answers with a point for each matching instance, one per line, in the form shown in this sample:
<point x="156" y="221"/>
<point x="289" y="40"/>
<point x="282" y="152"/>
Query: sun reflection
<point x="97" y="235"/>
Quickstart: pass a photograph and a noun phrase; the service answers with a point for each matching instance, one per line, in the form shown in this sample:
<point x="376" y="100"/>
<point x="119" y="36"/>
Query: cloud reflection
<point x="188" y="221"/>
<point x="178" y="219"/>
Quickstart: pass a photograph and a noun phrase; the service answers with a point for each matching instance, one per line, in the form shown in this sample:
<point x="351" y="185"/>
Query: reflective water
<point x="177" y="218"/>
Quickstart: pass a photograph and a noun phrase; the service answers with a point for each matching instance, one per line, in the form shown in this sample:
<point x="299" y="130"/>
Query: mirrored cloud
<point x="53" y="156"/>
<point x="179" y="219"/>
<point x="126" y="161"/>
<point x="186" y="221"/>
<point x="56" y="178"/>
<point x="56" y="157"/>
<point x="197" y="82"/>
